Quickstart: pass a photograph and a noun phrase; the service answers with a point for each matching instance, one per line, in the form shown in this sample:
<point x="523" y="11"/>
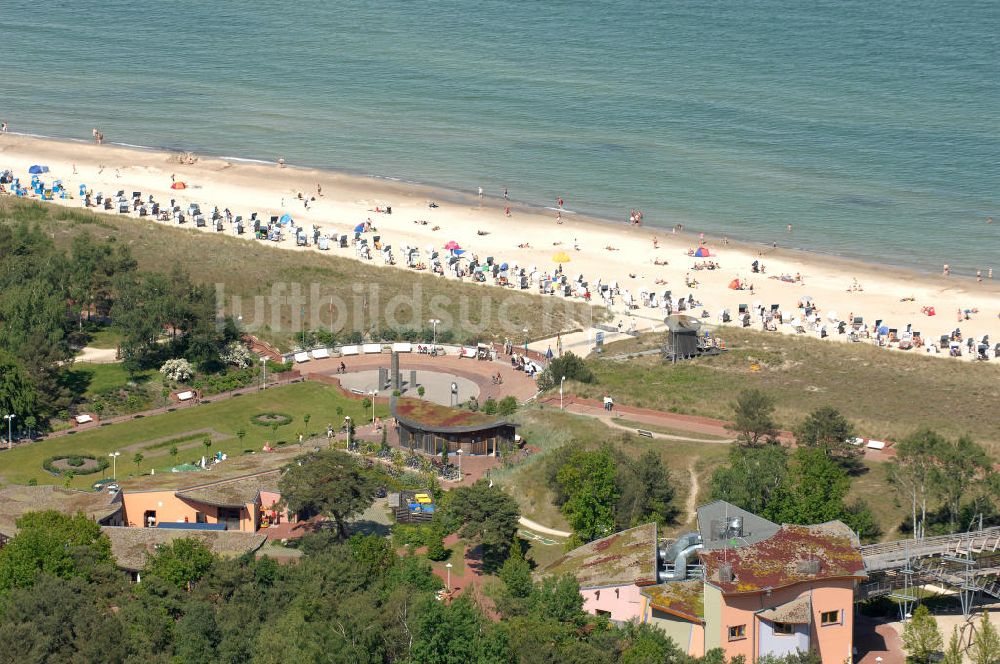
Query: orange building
<point x="239" y="503"/>
<point x="740" y="583"/>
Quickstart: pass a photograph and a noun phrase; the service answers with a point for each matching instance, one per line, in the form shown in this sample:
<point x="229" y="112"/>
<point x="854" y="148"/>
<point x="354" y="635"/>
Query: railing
<point x="892" y="555"/>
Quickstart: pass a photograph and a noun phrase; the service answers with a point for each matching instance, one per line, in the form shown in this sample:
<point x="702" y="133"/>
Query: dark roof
<point x="685" y="599"/>
<point x="236" y="492"/>
<point x="132" y="546"/>
<point x="712" y="519"/>
<point x="682" y="324"/>
<point x="18" y="499"/>
<point x="428" y="416"/>
<point x="792" y="555"/>
<point x="623" y="558"/>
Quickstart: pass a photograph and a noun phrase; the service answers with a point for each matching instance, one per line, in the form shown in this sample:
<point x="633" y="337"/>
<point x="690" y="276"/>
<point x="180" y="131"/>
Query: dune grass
<point x="886" y="394"/>
<point x="227" y="416"/>
<point x="373" y="297"/>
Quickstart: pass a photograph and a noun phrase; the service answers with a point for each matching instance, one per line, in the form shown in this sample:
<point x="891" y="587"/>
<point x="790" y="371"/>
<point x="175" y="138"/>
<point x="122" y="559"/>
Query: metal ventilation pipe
<point x="681" y="551"/>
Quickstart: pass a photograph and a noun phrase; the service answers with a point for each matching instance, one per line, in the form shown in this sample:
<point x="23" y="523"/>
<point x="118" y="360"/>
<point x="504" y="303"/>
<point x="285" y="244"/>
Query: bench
<point x="320" y="354"/>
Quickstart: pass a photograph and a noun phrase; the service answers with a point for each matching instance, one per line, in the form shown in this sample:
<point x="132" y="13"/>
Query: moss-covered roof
<point x="236" y="492"/>
<point x="620" y="559"/>
<point x="434" y="417"/>
<point x="792" y="555"/>
<point x="132" y="546"/>
<point x="685" y="599"/>
<point x="18" y="499"/>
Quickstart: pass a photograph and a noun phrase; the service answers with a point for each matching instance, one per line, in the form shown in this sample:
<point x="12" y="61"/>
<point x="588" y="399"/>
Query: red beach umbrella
<point x="178" y="185"/>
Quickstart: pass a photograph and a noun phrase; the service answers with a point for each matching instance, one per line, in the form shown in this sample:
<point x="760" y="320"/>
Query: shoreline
<point x="481" y="227"/>
<point x="457" y="196"/>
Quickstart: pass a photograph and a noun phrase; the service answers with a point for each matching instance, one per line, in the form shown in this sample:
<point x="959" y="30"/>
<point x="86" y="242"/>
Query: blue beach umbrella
<point x="360" y="228"/>
<point x="38" y="169"/>
<point x="285" y="219"/>
<point x="458" y="252"/>
<point x="884" y="329"/>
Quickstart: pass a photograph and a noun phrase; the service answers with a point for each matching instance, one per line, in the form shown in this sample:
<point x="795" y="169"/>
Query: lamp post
<point x="264" y="384"/>
<point x="434" y="323"/>
<point x="10" y="436"/>
<point x="373" y="394"/>
<point x="114" y="464"/>
<point x="561" y="381"/>
<point x="525" y="330"/>
<point x="460" y="475"/>
<point x="448" y="568"/>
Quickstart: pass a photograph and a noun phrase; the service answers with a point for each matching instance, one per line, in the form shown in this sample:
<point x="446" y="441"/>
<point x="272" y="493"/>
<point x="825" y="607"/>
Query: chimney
<point x="810" y="566"/>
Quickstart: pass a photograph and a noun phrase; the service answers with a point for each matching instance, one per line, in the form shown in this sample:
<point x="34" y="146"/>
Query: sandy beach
<point x="611" y="252"/>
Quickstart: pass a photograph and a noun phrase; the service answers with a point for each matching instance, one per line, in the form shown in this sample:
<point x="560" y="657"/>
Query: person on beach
<point x="505" y="194"/>
<point x="946" y="270"/>
<point x="319" y="189"/>
<point x="559" y="202"/>
<point x="656" y="243"/>
<point x="506" y="211"/>
<point x="979" y="276"/>
<point x="558" y="217"/>
<point x="789" y="228"/>
<point x="74" y="169"/>
<point x="281" y="162"/>
<point x="480" y="193"/>
<point x="3" y="127"/>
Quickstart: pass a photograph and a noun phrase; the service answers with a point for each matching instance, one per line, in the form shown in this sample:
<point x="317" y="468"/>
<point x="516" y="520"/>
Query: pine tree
<point x="953" y="653"/>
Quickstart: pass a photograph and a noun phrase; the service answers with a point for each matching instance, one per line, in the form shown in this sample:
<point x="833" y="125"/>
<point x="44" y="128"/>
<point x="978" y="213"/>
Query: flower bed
<point x="270" y="419"/>
<point x="78" y="464"/>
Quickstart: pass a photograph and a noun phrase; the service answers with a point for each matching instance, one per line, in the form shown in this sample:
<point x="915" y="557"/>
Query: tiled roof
<point x="792" y="555"/>
<point x="236" y="492"/>
<point x="623" y="558"/>
<point x="680" y="598"/>
<point x="132" y="546"/>
<point x="442" y="418"/>
<point x="18" y="499"/>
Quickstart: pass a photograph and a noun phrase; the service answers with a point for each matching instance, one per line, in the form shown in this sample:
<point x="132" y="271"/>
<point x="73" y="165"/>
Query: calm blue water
<point x="872" y="127"/>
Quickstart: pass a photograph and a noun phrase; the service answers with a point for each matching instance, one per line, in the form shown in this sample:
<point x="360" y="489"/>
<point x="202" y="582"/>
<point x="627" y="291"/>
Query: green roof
<point x="680" y="598"/>
<point x="429" y="415"/>
<point x="628" y="557"/>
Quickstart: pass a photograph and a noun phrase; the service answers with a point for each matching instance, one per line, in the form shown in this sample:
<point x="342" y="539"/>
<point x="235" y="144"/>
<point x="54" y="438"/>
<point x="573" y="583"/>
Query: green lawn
<point x="670" y="431"/>
<point x="104" y="337"/>
<point x="99" y="378"/>
<point x="224" y="417"/>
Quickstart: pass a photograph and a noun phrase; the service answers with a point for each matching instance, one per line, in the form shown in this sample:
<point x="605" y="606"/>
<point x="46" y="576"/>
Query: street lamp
<point x="10" y="436"/>
<point x="264" y="385"/>
<point x="114" y="464"/>
<point x="561" y="381"/>
<point x="460" y="475"/>
<point x="373" y="394"/>
<point x="435" y="322"/>
<point x="448" y="567"/>
<point x="525" y="330"/>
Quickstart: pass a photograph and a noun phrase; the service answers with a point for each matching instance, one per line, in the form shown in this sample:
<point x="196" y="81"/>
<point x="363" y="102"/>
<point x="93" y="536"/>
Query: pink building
<point x="740" y="583"/>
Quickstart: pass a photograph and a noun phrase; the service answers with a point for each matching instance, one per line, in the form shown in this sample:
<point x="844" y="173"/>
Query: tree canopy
<point x="327" y="483"/>
<point x="488" y="516"/>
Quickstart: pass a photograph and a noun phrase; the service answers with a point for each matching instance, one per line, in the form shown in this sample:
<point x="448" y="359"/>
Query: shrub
<point x="490" y="406"/>
<point x="75" y="461"/>
<point x="237" y="354"/>
<point x="507" y="406"/>
<point x="178" y="370"/>
<point x="78" y="469"/>
<point x="569" y="365"/>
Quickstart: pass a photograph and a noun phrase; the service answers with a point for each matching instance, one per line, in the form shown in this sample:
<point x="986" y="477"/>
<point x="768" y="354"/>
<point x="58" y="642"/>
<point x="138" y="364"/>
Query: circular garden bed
<point x="271" y="419"/>
<point x="78" y="464"/>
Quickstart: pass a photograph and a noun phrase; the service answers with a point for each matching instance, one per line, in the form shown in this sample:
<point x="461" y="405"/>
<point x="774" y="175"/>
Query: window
<point x="737" y="632"/>
<point x="601" y="612"/>
<point x="829" y="618"/>
<point x="200" y="517"/>
<point x="784" y="629"/>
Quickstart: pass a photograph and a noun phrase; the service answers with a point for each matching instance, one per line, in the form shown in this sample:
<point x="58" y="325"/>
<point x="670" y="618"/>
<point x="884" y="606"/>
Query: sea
<point x="871" y="127"/>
